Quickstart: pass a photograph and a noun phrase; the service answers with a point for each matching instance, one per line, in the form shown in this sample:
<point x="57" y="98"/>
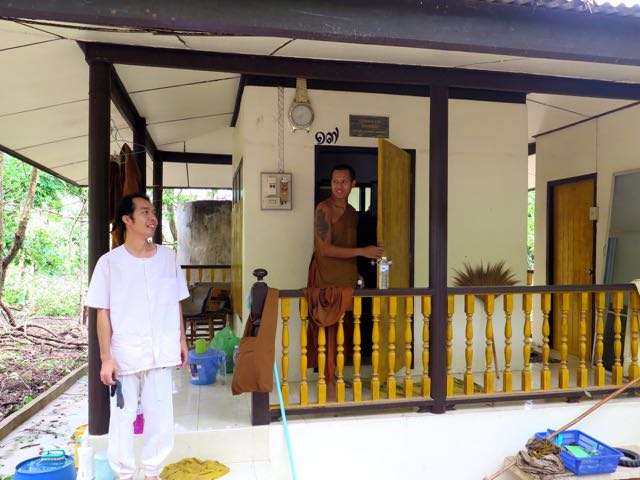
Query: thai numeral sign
<point x="327" y="137"/>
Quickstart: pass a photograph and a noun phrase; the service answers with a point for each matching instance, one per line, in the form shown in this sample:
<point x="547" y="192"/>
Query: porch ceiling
<point x="44" y="85"/>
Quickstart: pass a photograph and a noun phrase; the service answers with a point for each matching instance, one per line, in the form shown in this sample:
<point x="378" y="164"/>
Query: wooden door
<point x="394" y="233"/>
<point x="572" y="242"/>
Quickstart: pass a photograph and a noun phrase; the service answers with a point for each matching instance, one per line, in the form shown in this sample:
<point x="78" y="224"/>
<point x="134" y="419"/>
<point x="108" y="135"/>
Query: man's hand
<point x="108" y="372"/>
<point x="372" y="251"/>
<point x="184" y="352"/>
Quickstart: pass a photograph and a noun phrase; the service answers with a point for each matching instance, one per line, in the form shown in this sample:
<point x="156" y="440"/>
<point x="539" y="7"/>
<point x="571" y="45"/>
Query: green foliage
<point x="43" y="295"/>
<point x="48" y="246"/>
<point x="531" y="228"/>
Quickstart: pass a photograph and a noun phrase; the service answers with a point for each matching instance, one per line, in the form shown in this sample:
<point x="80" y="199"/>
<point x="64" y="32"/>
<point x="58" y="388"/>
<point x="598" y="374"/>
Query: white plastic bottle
<point x="85" y="460"/>
<point x="383" y="266"/>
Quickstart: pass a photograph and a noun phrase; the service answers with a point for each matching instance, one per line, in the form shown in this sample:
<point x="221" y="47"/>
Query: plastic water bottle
<point x="85" y="460"/>
<point x="236" y="349"/>
<point x="383" y="268"/>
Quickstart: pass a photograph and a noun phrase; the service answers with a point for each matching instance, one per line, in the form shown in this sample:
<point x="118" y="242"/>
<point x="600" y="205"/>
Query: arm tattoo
<point x="322" y="227"/>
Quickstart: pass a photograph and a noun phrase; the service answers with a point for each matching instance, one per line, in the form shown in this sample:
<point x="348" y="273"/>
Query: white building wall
<point x="607" y="146"/>
<point x="487" y="196"/>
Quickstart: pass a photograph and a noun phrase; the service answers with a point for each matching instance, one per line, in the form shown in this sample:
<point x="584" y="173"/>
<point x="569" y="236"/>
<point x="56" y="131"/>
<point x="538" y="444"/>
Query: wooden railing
<point x="207" y="273"/>
<point x="495" y="365"/>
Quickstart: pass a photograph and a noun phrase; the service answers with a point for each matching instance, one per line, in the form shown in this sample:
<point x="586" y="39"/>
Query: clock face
<point x="301" y="115"/>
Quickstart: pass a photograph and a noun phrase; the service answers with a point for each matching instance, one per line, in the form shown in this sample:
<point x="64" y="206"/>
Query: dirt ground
<point x="34" y="356"/>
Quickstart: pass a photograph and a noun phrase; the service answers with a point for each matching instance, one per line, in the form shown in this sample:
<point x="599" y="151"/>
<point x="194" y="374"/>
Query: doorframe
<point x="550" y="230"/>
<point x="345" y="150"/>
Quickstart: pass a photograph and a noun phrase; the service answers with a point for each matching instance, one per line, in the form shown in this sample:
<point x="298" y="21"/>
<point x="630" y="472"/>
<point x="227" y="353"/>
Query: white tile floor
<point x="197" y="408"/>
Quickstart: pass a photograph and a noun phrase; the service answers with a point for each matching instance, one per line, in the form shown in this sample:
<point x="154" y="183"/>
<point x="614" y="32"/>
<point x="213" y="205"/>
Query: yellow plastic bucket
<point x="77" y="435"/>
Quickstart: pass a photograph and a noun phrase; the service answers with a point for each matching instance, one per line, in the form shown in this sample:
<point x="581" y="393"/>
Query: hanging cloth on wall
<point x="132" y="176"/>
<point x="124" y="179"/>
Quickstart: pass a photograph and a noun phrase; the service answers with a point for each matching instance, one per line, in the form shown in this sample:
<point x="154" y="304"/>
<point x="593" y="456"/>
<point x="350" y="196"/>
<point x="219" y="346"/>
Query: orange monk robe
<point x="334" y="272"/>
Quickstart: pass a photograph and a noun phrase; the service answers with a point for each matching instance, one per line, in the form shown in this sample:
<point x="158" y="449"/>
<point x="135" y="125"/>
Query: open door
<point x="394" y="233"/>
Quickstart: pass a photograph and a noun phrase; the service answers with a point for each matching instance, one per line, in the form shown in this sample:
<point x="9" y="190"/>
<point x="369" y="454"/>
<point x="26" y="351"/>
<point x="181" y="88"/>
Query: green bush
<point x="43" y="295"/>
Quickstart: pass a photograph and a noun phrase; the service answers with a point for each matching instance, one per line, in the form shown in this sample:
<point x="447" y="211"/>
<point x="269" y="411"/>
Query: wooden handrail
<point x="392" y="292"/>
<point x="205" y="266"/>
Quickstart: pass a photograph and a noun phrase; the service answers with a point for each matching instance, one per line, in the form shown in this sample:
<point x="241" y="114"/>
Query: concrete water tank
<point x="204" y="232"/>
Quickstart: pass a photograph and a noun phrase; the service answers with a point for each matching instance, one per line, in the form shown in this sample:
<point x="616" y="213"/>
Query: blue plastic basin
<point x="41" y="468"/>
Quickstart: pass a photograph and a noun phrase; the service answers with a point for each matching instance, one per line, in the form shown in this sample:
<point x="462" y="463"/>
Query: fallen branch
<point x="8" y="314"/>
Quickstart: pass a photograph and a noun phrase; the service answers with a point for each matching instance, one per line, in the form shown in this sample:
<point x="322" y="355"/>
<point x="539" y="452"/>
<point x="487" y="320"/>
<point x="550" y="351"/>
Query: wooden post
<point x="438" y="214"/>
<point x="260" y="414"/>
<point x="469" y="304"/>
<point x="284" y="309"/>
<point x="157" y="197"/>
<point x="99" y="137"/>
<point x="408" y="343"/>
<point x="304" y="388"/>
<point x="527" y="306"/>
<point x="357" y="356"/>
<point x="507" y="378"/>
<point x="598" y="371"/>
<point x="139" y="148"/>
<point x="489" y="378"/>
<point x="545" y="374"/>
<point x="426" y="315"/>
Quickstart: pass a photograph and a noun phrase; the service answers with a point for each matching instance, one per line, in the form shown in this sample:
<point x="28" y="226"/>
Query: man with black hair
<point x="137" y="288"/>
<point x="334" y="259"/>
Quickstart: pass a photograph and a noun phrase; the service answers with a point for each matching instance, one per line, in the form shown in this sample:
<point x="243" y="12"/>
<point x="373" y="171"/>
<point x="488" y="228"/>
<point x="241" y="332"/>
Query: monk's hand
<point x="108" y="371"/>
<point x="373" y="251"/>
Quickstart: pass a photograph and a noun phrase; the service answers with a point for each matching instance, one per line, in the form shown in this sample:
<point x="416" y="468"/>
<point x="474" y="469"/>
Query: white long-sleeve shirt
<point x="142" y="296"/>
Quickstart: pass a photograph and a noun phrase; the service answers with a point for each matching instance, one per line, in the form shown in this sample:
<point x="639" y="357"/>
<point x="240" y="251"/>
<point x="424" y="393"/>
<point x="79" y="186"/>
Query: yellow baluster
<point x="582" y="379"/>
<point x="357" y="357"/>
<point x="634" y="306"/>
<point x="225" y="273"/>
<point x="408" y="341"/>
<point x="188" y="275"/>
<point x="322" y="360"/>
<point x="450" y="311"/>
<point x="527" y="306"/>
<point x="212" y="275"/>
<point x="284" y="308"/>
<point x="598" y="371"/>
<point x="488" y="351"/>
<point x="469" y="306"/>
<point x="340" y="390"/>
<point x="304" y="388"/>
<point x="507" y="377"/>
<point x="200" y="273"/>
<point x="426" y="315"/>
<point x="391" y="353"/>
<point x="375" y="348"/>
<point x="563" y="374"/>
<point x="545" y="374"/>
<point x="616" y="370"/>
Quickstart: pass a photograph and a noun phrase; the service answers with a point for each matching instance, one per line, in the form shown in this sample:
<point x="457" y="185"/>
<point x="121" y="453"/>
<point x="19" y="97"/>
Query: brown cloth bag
<point x="326" y="306"/>
<point x="254" y="365"/>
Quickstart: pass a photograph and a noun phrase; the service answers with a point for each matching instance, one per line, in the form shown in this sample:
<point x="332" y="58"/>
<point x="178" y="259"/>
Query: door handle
<point x="589" y="271"/>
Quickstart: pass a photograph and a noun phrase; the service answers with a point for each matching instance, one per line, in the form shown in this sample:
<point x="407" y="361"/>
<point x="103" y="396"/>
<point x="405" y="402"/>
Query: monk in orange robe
<point x="334" y="259"/>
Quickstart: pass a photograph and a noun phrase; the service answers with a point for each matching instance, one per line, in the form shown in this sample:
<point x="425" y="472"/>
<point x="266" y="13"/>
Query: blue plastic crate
<point x="604" y="460"/>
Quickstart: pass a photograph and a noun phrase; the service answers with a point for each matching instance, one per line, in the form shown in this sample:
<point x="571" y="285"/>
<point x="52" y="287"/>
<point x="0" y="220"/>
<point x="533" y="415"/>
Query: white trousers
<point x="154" y="389"/>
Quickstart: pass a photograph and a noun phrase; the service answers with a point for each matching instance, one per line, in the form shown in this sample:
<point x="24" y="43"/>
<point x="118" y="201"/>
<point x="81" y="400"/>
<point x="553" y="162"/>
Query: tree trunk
<point x="20" y="232"/>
